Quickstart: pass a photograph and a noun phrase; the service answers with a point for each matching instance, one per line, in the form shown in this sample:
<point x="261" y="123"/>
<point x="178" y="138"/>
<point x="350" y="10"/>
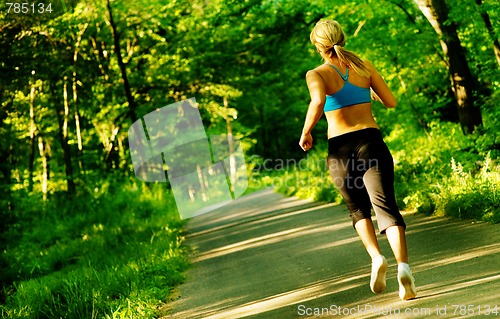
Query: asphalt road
<point x="269" y="256"/>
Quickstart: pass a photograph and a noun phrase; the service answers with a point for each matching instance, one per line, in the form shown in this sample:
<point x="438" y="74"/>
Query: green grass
<point x="467" y="195"/>
<point x="111" y="254"/>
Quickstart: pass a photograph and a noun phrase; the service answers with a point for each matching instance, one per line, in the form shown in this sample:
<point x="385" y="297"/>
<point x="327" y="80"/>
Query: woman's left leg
<point x="397" y="239"/>
<point x="366" y="232"/>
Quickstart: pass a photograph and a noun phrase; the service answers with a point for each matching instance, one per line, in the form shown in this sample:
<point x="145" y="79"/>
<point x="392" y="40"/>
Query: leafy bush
<point x="469" y="196"/>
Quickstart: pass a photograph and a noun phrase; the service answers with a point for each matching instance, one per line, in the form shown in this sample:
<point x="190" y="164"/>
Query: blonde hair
<point x="329" y="38"/>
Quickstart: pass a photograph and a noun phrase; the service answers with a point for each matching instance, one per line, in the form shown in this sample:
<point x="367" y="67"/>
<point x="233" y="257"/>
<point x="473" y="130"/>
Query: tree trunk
<point x="462" y="81"/>
<point x="230" y="142"/>
<point x="45" y="167"/>
<point x="491" y="31"/>
<point x="31" y="163"/>
<point x="62" y="119"/>
<point x="121" y="65"/>
<point x="77" y="124"/>
<point x="6" y="163"/>
<point x="75" y="99"/>
<point x="110" y="152"/>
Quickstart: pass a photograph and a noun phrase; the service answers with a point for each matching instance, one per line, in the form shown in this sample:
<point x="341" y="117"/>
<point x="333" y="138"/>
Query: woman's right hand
<point x="374" y="96"/>
<point x="306" y="141"/>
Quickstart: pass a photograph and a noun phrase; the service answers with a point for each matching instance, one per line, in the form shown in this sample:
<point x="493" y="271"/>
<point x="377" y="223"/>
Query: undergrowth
<point x="109" y="254"/>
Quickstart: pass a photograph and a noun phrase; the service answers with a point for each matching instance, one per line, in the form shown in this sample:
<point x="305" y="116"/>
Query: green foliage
<point x="470" y="196"/>
<point x="101" y="254"/>
<point x="304" y="178"/>
<point x="428" y="183"/>
<point x="110" y="254"/>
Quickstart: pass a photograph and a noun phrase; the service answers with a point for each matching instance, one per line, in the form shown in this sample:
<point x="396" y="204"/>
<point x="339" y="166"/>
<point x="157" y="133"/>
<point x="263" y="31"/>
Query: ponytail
<point x="328" y="37"/>
<point x="352" y="60"/>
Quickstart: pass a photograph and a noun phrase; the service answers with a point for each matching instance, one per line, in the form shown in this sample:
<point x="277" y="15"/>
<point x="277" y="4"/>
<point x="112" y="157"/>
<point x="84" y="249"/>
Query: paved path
<point x="269" y="256"/>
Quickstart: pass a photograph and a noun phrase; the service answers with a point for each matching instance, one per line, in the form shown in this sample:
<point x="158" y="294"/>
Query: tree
<point x="462" y="81"/>
<point x="491" y="31"/>
<point x="121" y="64"/>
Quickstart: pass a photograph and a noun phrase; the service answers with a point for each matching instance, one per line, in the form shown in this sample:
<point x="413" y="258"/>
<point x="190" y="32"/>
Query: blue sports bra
<point x="348" y="95"/>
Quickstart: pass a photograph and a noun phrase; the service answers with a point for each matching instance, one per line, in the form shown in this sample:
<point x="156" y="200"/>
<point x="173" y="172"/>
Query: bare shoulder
<point x="314" y="74"/>
<point x="317" y="70"/>
<point x="369" y="66"/>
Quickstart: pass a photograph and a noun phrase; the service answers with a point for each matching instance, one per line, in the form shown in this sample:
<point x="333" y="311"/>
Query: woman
<point x="359" y="161"/>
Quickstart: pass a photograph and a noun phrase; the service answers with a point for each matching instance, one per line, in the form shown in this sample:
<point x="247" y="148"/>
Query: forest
<point x="82" y="237"/>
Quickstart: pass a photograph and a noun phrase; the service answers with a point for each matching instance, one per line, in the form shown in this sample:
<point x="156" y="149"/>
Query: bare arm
<point x="379" y="89"/>
<point x="315" y="111"/>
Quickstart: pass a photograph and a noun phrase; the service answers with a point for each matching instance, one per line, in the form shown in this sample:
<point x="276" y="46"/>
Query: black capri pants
<point x="362" y="169"/>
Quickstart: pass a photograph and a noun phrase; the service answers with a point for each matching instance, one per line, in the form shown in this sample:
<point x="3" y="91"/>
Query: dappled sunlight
<point x="260" y="219"/>
<point x="453" y="286"/>
<point x="273" y="263"/>
<point x="256" y="224"/>
<point x="257" y="209"/>
<point x="388" y="303"/>
<point x="446" y="261"/>
<point x="277" y="237"/>
<point x="336" y="243"/>
<point x="226" y="217"/>
<point x="424" y="222"/>
<point x="488" y="299"/>
<point x="294" y="213"/>
<point x="208" y="309"/>
<point x="250" y="243"/>
<point x="316" y="290"/>
<point x="430" y="227"/>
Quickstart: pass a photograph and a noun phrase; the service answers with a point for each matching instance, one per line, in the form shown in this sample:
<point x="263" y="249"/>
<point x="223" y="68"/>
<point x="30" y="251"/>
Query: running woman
<point x="359" y="161"/>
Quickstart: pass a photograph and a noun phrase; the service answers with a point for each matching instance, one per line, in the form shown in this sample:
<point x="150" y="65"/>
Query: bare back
<point x="324" y="81"/>
<point x="350" y="118"/>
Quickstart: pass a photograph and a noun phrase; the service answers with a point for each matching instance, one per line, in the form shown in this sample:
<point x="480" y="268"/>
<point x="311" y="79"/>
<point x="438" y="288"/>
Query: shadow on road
<point x="269" y="256"/>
